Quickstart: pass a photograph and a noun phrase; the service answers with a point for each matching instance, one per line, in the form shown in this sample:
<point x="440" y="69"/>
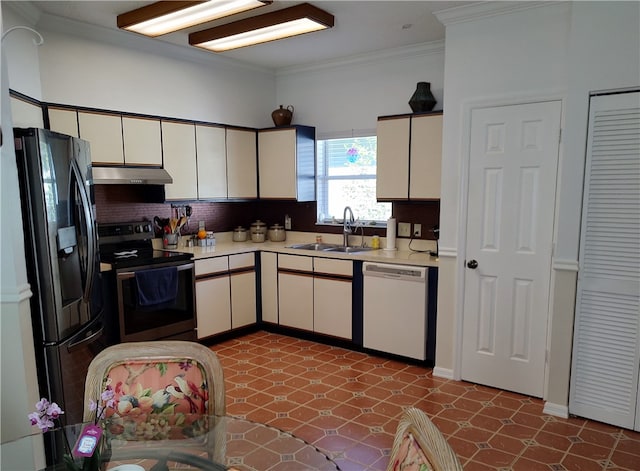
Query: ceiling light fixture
<point x="165" y="17"/>
<point x="292" y="21"/>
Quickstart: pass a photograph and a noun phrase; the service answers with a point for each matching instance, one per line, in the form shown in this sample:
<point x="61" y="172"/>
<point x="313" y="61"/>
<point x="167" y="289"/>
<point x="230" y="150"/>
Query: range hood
<point x="130" y="176"/>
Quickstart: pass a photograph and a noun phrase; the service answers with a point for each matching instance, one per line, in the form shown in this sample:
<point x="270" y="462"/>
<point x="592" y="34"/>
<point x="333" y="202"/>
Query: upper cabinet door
<point x="211" y="162"/>
<point x="142" y="142"/>
<point x="104" y="133"/>
<point x="242" y="172"/>
<point x="179" y="149"/>
<point x="63" y="120"/>
<point x="26" y="114"/>
<point x="426" y="157"/>
<point x="392" y="174"/>
<point x="277" y="163"/>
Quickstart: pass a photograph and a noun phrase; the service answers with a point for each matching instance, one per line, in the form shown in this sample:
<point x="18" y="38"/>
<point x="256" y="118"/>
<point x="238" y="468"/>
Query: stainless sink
<point x="320" y="247"/>
<point x="316" y="246"/>
<point x="344" y="249"/>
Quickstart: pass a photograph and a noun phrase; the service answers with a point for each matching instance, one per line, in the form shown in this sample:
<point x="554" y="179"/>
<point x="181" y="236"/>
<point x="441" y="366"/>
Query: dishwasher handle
<point x="397" y="272"/>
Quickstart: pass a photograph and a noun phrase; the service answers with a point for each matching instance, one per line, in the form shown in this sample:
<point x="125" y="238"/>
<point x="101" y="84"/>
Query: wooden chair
<point x="419" y="442"/>
<point x="161" y="391"/>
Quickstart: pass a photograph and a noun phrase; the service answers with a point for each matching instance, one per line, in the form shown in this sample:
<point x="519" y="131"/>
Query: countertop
<point x="225" y="246"/>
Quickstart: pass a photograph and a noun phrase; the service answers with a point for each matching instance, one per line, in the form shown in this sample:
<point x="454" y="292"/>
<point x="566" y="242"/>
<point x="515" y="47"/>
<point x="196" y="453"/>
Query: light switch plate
<point x="417" y="230"/>
<point x="404" y="229"/>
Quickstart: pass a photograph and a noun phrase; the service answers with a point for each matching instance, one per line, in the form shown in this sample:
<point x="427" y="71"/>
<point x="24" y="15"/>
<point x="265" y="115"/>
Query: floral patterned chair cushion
<point x="418" y="445"/>
<point x="410" y="456"/>
<point x="177" y="386"/>
<point x="155" y="390"/>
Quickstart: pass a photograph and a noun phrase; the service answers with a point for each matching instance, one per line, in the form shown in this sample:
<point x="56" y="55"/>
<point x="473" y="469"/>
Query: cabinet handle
<point x="472" y="264"/>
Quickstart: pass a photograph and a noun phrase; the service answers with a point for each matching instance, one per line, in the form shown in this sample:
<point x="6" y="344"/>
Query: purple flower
<point x="46" y="412"/>
<point x="185" y="365"/>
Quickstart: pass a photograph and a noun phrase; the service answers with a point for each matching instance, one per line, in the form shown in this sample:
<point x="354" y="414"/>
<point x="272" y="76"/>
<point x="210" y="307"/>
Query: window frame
<point x="323" y="180"/>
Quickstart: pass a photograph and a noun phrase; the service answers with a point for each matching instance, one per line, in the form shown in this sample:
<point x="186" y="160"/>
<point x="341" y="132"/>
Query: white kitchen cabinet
<point x="332" y="297"/>
<point x="409" y="157"/>
<point x="241" y="164"/>
<point x="142" y="141"/>
<point x="243" y="289"/>
<point x="269" y="286"/>
<point x="104" y="133"/>
<point x="211" y="162"/>
<point x="392" y="170"/>
<point x="425" y="156"/>
<point x="63" y="120"/>
<point x="286" y="163"/>
<point x="213" y="300"/>
<point x="179" y="151"/>
<point x="26" y="114"/>
<point x="295" y="291"/>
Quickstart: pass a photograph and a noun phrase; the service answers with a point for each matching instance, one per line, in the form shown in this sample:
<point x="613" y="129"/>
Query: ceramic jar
<point x="258" y="231"/>
<point x="282" y="116"/>
<point x="422" y="99"/>
<point x="277" y="233"/>
<point x="239" y="234"/>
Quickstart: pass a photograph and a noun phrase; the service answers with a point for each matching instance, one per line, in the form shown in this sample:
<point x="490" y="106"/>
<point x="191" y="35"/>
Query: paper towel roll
<point x="391" y="234"/>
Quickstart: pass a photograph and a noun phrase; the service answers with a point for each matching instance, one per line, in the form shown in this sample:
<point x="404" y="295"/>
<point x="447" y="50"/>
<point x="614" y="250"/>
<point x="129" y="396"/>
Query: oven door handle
<point x="124" y="275"/>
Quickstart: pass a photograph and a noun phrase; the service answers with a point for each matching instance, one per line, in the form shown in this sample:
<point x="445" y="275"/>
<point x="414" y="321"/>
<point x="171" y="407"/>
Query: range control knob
<point x="138" y="228"/>
<point x="146" y="228"/>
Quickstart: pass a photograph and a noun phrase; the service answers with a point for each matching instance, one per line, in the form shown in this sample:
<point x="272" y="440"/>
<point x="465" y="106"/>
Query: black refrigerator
<point x="61" y="249"/>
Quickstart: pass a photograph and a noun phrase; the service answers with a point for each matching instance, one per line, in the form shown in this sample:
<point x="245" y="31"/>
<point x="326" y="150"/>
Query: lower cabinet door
<point x="213" y="306"/>
<point x="332" y="307"/>
<point x="243" y="299"/>
<point x="295" y="295"/>
<point x="269" y="286"/>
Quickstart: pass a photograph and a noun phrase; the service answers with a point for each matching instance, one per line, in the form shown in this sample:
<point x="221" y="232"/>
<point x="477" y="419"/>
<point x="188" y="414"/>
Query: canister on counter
<point x="375" y="242"/>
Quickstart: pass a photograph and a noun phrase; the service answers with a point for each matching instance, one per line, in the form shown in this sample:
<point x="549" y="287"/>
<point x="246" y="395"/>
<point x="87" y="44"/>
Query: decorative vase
<point x="422" y="99"/>
<point x="282" y="116"/>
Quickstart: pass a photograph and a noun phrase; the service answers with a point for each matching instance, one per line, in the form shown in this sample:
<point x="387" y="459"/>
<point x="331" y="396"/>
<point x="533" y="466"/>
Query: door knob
<point x="472" y="264"/>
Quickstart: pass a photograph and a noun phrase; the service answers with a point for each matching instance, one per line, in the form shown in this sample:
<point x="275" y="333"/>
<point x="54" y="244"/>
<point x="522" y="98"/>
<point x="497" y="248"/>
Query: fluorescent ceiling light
<point x="299" y="19"/>
<point x="165" y="17"/>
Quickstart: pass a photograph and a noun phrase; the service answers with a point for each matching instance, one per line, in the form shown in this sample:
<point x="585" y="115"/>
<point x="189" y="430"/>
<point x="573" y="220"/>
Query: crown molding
<point x="404" y="52"/>
<point x="481" y="10"/>
<point x="27" y="10"/>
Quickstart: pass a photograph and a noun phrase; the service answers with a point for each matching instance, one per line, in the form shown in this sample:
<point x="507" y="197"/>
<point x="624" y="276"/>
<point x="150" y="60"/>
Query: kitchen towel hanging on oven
<point x="157" y="287"/>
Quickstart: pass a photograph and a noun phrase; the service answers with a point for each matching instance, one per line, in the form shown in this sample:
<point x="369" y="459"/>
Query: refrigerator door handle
<point x="91" y="235"/>
<point x="86" y="335"/>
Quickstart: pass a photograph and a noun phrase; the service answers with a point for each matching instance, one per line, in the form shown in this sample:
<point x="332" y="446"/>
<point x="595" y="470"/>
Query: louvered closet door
<point x="606" y="349"/>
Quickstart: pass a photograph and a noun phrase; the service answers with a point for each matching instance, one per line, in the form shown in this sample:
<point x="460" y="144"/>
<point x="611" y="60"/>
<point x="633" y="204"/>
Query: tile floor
<point x="348" y="403"/>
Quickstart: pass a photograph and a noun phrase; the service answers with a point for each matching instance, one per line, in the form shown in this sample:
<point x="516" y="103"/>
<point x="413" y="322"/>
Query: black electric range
<point x="130" y="244"/>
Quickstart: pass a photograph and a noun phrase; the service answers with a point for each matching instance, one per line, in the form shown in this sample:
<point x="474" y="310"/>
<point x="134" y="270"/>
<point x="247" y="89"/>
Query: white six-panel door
<point x="512" y="180"/>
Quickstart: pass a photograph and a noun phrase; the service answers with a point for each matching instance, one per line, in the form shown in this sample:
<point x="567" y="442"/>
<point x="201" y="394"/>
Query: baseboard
<point x="556" y="409"/>
<point x="443" y="372"/>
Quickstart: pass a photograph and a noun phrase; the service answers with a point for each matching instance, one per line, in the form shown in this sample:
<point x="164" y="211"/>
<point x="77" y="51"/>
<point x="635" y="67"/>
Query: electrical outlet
<point x="417" y="230"/>
<point x="404" y="229"/>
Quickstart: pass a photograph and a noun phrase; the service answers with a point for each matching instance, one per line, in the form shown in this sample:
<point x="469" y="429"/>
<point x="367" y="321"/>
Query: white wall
<point x="17" y="358"/>
<point x="96" y="67"/>
<point x="551" y="50"/>
<point x="349" y="95"/>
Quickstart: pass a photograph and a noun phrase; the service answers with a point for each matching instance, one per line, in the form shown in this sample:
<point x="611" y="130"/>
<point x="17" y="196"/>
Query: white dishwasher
<point x="395" y="309"/>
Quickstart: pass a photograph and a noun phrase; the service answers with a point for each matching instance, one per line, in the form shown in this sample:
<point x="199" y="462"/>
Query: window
<point x="347" y="177"/>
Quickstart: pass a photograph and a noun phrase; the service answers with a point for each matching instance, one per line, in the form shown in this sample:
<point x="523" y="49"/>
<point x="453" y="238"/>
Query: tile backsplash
<point x="132" y="203"/>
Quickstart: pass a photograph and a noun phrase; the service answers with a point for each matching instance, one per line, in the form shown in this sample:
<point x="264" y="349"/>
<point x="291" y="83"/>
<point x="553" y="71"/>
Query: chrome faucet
<point x="347" y="225"/>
